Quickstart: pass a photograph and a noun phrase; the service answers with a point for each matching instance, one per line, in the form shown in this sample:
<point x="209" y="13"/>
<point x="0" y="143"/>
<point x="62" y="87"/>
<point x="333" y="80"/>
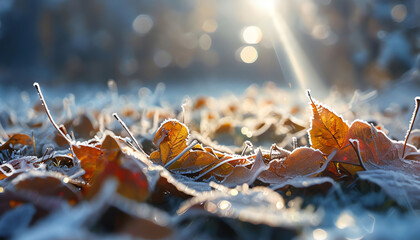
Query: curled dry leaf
<point x="241" y="174"/>
<point x="300" y="163"/>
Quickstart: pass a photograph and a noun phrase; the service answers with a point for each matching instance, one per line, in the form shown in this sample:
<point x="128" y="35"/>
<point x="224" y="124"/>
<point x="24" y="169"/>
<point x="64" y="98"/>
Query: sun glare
<point x="264" y="4"/>
<point x="252" y="35"/>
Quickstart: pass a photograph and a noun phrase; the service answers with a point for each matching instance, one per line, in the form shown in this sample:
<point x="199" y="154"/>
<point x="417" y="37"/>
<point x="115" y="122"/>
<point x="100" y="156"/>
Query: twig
<point x="129" y="133"/>
<point x="413" y="118"/>
<point x="44" y="104"/>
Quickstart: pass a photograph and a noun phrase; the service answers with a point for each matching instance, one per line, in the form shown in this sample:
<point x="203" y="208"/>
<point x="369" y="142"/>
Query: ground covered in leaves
<point x="258" y="166"/>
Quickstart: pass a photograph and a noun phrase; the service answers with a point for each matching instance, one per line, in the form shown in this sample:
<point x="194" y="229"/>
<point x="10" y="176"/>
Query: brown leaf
<point x="376" y="149"/>
<point x="241" y="174"/>
<point x="222" y="167"/>
<point x="132" y="183"/>
<point x="193" y="162"/>
<point x="328" y="130"/>
<point x="14" y="165"/>
<point x="16" y="139"/>
<point x="301" y="162"/>
<point x="88" y="156"/>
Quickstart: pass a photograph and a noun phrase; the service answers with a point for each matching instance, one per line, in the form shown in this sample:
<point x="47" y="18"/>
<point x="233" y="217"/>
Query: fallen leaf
<point x="132" y="182"/>
<point x="328" y="130"/>
<point x="88" y="156"/>
<point x="171" y="139"/>
<point x="241" y="174"/>
<point x="16" y="139"/>
<point x="259" y="205"/>
<point x="301" y="162"/>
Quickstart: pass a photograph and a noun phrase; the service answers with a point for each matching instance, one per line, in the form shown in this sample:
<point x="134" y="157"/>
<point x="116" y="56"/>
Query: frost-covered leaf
<point x="258" y="205"/>
<point x="114" y="163"/>
<point x="171" y="139"/>
<point x="88" y="156"/>
<point x="328" y="130"/>
<point x="241" y="174"/>
<point x="16" y="139"/>
<point x="401" y="186"/>
<point x="302" y="162"/>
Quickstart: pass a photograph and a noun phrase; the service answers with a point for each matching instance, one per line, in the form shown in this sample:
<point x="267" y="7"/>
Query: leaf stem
<point x="44" y="104"/>
<point x="413" y="118"/>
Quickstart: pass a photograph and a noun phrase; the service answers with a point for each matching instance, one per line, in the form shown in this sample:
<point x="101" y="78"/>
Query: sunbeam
<point x="292" y="59"/>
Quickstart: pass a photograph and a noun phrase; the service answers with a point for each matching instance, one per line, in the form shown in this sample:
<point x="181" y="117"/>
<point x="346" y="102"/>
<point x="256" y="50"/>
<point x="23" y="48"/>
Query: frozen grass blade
<point x="413" y="118"/>
<point x="44" y="104"/>
<point x="33" y="143"/>
<point x="129" y="133"/>
<point x="356" y="148"/>
<point x="247" y="144"/>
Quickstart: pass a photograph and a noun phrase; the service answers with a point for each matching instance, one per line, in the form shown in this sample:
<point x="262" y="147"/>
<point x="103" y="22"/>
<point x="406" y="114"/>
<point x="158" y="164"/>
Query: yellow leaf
<point x="171" y="139"/>
<point x="328" y="130"/>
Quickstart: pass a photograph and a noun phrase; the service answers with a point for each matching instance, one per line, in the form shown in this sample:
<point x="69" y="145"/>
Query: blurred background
<point x="301" y="43"/>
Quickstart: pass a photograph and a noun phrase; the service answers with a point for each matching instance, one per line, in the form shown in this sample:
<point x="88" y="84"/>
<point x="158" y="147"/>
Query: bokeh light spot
<point x="252" y="35"/>
<point x="210" y="25"/>
<point x="224" y="205"/>
<point x="204" y="42"/>
<point x="142" y="24"/>
<point x="249" y="54"/>
<point x="399" y="13"/>
<point x="320" y="234"/>
<point x="345" y="220"/>
<point x="320" y="31"/>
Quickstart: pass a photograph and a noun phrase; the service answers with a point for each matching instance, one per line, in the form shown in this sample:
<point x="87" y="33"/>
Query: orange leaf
<point x="17" y="139"/>
<point x="132" y="183"/>
<point x="88" y="156"/>
<point x="171" y="139"/>
<point x="193" y="162"/>
<point x="301" y="162"/>
<point x="375" y="147"/>
<point x="222" y="167"/>
<point x="241" y="174"/>
<point x="328" y="130"/>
